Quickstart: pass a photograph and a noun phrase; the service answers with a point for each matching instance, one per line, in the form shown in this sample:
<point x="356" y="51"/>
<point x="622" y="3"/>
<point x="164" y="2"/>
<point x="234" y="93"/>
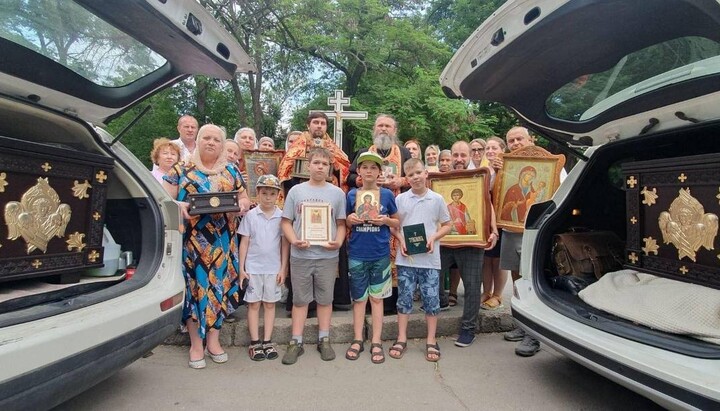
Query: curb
<point x="236" y="333"/>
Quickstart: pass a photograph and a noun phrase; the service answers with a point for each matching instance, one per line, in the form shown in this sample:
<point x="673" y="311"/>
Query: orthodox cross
<point x="339" y="114"/>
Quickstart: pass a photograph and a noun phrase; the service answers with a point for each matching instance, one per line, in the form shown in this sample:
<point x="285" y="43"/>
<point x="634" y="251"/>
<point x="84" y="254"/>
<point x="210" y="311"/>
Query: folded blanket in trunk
<point x="659" y="303"/>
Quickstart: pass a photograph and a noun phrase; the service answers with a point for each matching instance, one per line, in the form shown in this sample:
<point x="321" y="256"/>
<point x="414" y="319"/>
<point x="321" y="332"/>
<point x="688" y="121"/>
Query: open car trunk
<point x="599" y="196"/>
<point x="131" y="216"/>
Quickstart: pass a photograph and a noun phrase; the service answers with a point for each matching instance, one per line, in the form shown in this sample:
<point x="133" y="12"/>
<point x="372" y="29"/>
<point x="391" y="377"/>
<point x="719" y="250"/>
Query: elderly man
<point x="290" y="175"/>
<point x="469" y="261"/>
<point x="392" y="177"/>
<point x="187" y="128"/>
<point x="516" y="138"/>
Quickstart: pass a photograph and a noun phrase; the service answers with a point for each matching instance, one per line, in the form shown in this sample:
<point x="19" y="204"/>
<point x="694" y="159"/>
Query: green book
<point x="415" y="239"/>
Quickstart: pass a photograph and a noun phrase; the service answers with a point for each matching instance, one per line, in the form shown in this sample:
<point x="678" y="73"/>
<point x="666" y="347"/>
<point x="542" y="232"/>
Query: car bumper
<point x="672" y="380"/>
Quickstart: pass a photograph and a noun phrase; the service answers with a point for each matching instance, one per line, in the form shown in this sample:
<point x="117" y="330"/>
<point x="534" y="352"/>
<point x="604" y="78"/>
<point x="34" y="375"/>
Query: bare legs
<point x="197" y="352"/>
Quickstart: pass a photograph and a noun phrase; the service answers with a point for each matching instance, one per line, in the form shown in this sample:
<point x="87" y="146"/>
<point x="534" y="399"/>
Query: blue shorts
<point x="369" y="278"/>
<point x="428" y="280"/>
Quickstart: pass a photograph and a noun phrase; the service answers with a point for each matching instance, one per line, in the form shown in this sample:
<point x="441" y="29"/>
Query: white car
<point x="66" y="68"/>
<point x="615" y="82"/>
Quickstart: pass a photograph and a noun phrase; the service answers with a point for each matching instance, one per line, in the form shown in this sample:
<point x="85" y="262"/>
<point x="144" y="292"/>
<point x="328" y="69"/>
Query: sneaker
<point x="528" y="347"/>
<point x="465" y="339"/>
<point x="326" y="351"/>
<point x="516" y="334"/>
<point x="444" y="307"/>
<point x="294" y="350"/>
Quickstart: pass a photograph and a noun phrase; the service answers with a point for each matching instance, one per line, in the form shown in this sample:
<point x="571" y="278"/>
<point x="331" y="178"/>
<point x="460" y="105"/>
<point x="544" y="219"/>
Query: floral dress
<point x="210" y="253"/>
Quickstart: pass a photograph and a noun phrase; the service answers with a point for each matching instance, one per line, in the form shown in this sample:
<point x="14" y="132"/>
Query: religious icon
<point x="529" y="175"/>
<point x="315" y="222"/>
<point x="462" y="222"/>
<point x="468" y="201"/>
<point x="367" y="205"/>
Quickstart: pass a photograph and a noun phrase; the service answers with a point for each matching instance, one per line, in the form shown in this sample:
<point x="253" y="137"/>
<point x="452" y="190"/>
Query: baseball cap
<point x="370" y="156"/>
<point x="269" y="181"/>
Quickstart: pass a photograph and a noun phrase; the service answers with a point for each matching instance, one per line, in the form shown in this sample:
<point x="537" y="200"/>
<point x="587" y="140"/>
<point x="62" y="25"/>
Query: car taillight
<point x="171" y="302"/>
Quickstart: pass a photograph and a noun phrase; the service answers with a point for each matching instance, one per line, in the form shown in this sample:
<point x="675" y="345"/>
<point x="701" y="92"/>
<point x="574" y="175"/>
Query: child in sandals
<point x="419" y="205"/>
<point x="371" y="211"/>
<point x="264" y="254"/>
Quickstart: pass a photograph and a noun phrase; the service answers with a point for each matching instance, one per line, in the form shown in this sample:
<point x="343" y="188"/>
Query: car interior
<point x="597" y="202"/>
<point x="131" y="218"/>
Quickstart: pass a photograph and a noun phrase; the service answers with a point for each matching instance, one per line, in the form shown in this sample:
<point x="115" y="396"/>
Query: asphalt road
<point x="485" y="376"/>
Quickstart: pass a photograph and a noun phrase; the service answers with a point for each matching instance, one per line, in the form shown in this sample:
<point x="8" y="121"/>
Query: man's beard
<point x="383" y="141"/>
<point x="318" y="133"/>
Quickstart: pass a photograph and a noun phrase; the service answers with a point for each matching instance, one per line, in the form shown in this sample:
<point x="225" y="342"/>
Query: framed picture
<point x="367" y="204"/>
<point x="258" y="163"/>
<point x="529" y="175"/>
<point x="315" y="223"/>
<point x="467" y="195"/>
<point x="300" y="170"/>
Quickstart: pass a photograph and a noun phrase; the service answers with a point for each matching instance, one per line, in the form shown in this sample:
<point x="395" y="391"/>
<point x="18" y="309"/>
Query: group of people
<point x="364" y="256"/>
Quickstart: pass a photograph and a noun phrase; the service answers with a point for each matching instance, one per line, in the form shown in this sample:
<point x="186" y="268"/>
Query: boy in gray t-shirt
<point x="314" y="267"/>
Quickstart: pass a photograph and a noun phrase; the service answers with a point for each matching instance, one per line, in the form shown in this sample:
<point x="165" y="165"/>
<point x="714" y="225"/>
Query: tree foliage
<point x="386" y="56"/>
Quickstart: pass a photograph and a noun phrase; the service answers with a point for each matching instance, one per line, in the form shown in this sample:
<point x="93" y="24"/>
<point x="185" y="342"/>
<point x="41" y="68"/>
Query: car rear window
<point x="637" y="73"/>
<point x="70" y="35"/>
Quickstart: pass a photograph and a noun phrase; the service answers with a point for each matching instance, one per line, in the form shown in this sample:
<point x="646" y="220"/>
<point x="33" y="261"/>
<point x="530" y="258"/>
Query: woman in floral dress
<point x="210" y="260"/>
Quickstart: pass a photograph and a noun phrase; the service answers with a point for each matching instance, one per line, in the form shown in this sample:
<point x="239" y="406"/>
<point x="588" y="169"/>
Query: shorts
<point x="263" y="287"/>
<point x="371" y="278"/>
<point x="495" y="251"/>
<point x="510" y="251"/>
<point x="313" y="279"/>
<point x="428" y="280"/>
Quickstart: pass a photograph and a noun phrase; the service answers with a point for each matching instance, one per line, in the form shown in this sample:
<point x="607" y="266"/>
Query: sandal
<point x="492" y="303"/>
<point x="432" y="349"/>
<point x="256" y="352"/>
<point x="484" y="297"/>
<point x="374" y="353"/>
<point x="399" y="347"/>
<point x="353" y="354"/>
<point x="270" y="351"/>
<point x="453" y="299"/>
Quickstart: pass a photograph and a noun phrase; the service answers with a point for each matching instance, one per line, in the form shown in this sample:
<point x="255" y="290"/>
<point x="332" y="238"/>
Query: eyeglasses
<point x="478" y="150"/>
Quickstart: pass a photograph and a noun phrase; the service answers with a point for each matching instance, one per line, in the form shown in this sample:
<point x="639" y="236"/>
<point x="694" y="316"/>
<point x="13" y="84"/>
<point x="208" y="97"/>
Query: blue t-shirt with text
<point x="370" y="242"/>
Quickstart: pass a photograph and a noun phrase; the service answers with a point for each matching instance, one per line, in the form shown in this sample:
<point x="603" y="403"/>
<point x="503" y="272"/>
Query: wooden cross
<point x="339" y="114"/>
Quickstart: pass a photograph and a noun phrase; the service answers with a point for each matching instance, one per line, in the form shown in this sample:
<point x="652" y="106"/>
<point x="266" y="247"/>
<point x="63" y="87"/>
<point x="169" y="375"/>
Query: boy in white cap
<point x="264" y="254"/>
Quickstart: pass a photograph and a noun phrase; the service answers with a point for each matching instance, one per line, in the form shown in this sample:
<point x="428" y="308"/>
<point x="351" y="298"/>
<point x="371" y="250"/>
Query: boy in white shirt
<point x="264" y="254"/>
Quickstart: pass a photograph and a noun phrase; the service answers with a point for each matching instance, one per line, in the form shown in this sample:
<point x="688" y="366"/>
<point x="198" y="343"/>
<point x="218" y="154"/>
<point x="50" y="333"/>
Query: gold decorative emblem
<point x="633" y="220"/>
<point x="633" y="258"/>
<point x="36" y="263"/>
<point x="651" y="246"/>
<point x="650" y="196"/>
<point x="631" y="181"/>
<point x="687" y="226"/>
<point x="101" y="176"/>
<point x="38" y="216"/>
<point x="47" y="167"/>
<point x="93" y="256"/>
<point x="214" y="201"/>
<point x="682" y="177"/>
<point x="3" y="183"/>
<point x="683" y="270"/>
<point x="717" y="196"/>
<point x="80" y="189"/>
<point x="96" y="216"/>
<point x="75" y="241"/>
